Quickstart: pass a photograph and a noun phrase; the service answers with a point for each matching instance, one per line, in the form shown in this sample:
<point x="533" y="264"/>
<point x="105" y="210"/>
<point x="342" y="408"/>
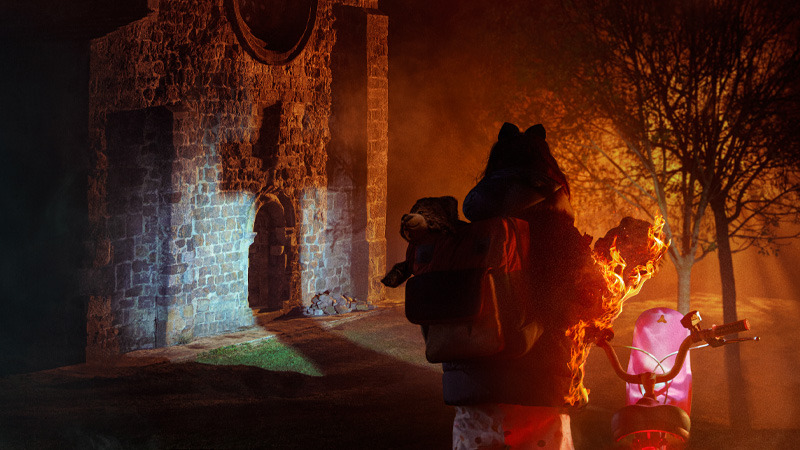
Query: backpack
<point x="469" y="293"/>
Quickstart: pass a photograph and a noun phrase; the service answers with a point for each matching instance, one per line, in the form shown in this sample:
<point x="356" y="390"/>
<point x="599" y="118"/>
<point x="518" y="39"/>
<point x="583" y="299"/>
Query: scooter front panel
<point x="657" y="335"/>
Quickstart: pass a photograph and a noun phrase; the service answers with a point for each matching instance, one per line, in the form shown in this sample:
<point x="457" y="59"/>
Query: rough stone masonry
<point x="222" y="184"/>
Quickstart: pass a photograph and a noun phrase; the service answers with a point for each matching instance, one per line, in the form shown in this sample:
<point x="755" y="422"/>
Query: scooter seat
<point x="649" y="415"/>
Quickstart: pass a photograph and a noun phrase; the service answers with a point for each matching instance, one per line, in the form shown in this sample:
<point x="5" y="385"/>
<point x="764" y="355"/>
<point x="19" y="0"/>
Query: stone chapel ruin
<point x="237" y="163"/>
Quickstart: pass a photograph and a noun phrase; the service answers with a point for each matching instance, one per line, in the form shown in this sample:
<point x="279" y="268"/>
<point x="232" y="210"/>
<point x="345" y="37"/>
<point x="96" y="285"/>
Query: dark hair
<point x="515" y="149"/>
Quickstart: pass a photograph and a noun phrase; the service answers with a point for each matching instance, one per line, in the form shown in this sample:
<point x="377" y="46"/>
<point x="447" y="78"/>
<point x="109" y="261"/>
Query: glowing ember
<point x="620" y="285"/>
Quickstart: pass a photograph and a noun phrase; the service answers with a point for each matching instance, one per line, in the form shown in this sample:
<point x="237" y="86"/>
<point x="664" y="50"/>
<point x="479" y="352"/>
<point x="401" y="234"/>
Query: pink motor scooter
<point x="659" y="376"/>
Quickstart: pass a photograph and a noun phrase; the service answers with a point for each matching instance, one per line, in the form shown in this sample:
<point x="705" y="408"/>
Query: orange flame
<point x="618" y="290"/>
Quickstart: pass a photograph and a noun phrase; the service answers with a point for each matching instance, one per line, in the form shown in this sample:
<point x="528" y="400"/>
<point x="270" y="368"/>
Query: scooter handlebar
<point x="730" y="328"/>
<point x="710" y="334"/>
<point x="713" y="335"/>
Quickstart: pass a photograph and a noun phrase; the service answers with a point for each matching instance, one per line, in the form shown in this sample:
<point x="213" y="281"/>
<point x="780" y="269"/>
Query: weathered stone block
<point x="175" y="269"/>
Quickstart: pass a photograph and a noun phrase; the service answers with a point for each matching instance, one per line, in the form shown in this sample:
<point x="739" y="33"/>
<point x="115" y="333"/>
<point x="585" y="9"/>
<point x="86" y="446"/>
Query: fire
<point x="618" y="289"/>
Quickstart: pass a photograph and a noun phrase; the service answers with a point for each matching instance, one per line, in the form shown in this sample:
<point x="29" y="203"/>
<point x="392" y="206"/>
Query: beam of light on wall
<point x="270" y="354"/>
<point x="313" y="201"/>
<point x="222" y="228"/>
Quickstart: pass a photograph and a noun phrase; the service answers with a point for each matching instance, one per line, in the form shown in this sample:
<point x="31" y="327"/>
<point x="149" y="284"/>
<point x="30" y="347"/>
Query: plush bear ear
<point x="536" y="131"/>
<point x="507" y="130"/>
<point x="450" y="207"/>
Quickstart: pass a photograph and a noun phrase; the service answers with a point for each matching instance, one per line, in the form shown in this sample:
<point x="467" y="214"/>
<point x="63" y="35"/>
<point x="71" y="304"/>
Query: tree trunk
<point x="684" y="287"/>
<point x="737" y="404"/>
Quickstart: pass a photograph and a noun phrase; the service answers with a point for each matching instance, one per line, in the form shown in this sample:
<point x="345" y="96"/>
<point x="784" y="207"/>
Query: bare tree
<point x="675" y="107"/>
<point x="688" y="102"/>
<point x="685" y="108"/>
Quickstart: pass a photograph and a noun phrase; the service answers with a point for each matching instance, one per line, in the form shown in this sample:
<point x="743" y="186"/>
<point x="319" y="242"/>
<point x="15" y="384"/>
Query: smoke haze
<point x="451" y="87"/>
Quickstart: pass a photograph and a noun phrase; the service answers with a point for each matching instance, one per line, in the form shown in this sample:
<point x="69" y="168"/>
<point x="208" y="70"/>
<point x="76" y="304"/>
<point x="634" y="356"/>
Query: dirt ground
<point x="376" y="392"/>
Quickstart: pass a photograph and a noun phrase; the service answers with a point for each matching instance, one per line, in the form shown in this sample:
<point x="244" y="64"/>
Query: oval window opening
<point x="273" y="31"/>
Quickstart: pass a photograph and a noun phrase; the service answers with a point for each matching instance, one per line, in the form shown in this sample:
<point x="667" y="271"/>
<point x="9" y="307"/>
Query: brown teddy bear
<point x="430" y="218"/>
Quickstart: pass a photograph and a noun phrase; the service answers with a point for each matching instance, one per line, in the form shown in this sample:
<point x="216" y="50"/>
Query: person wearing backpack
<point x="519" y="402"/>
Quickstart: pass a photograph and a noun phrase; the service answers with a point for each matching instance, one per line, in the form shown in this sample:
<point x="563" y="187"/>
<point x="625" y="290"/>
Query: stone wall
<point x="357" y="153"/>
<point x="378" y="148"/>
<point x="198" y="152"/>
<point x="340" y="239"/>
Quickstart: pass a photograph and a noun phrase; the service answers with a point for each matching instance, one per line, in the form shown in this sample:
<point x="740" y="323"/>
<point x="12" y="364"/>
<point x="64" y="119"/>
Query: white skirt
<point x="502" y="426"/>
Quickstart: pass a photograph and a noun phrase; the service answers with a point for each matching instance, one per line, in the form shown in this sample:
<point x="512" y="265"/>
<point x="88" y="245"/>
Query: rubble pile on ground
<point x="328" y="304"/>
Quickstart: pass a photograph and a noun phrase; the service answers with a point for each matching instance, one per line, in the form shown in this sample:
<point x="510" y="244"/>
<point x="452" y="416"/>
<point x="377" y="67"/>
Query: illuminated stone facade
<point x="217" y="184"/>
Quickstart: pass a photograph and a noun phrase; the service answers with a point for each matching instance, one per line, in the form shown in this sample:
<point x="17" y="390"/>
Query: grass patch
<point x="268" y="354"/>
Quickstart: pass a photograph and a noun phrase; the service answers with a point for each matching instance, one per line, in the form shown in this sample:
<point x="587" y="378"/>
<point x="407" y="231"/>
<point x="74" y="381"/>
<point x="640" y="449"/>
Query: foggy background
<point x="451" y="86"/>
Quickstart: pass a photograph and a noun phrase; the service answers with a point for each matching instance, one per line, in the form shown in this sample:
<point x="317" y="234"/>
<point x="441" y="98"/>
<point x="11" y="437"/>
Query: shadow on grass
<point x="365" y="399"/>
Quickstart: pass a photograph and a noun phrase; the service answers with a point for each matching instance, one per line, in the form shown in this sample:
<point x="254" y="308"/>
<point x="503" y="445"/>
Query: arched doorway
<point x="267" y="278"/>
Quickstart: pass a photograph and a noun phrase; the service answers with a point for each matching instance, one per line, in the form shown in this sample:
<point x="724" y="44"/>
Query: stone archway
<point x="267" y="278"/>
